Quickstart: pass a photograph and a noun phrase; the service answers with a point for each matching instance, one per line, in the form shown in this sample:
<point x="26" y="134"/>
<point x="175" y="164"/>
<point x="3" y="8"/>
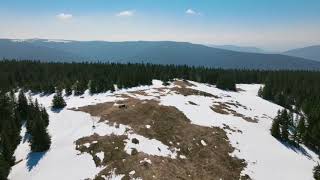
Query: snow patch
<point x="100" y="155"/>
<point x="203" y="143"/>
<point x="148" y="146"/>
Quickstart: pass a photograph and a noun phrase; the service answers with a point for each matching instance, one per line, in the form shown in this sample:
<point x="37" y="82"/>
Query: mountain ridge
<point x="156" y="52"/>
<point x="309" y="52"/>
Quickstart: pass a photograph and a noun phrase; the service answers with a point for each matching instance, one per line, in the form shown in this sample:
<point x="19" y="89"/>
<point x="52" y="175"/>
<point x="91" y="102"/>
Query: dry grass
<point x="172" y="128"/>
<point x="182" y="83"/>
<point x="224" y="108"/>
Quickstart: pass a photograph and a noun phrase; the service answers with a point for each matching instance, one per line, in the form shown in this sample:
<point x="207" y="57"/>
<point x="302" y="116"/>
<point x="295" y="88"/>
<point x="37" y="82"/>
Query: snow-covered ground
<point x="267" y="158"/>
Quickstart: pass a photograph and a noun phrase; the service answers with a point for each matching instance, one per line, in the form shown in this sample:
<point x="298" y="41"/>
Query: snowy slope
<point x="266" y="157"/>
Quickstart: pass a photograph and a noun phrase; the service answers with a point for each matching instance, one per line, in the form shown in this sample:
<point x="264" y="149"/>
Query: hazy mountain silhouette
<point x="158" y="52"/>
<point x="311" y="52"/>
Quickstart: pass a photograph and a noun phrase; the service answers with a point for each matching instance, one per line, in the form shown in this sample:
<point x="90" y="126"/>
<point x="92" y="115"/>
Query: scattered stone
<point x="135" y="141"/>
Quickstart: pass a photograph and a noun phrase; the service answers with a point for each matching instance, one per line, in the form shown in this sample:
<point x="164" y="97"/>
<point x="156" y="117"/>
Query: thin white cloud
<point x="126" y="13"/>
<point x="192" y="12"/>
<point x="63" y="16"/>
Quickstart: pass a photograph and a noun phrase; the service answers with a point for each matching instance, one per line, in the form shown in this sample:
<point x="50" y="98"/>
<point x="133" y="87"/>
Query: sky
<point x="274" y="25"/>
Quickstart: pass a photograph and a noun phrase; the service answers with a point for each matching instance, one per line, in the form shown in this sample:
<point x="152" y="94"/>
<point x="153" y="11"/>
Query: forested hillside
<point x="298" y="91"/>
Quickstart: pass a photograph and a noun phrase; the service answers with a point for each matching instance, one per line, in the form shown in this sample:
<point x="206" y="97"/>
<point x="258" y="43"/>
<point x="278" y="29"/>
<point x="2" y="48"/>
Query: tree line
<point x="15" y="113"/>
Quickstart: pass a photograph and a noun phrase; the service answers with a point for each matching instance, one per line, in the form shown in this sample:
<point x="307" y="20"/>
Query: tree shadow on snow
<point x="56" y="110"/>
<point x="26" y="137"/>
<point x="33" y="159"/>
<point x="296" y="148"/>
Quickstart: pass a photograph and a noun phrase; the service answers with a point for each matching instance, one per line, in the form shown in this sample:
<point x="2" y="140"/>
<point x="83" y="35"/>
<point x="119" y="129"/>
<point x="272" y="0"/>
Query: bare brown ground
<point x="182" y="83"/>
<point x="224" y="108"/>
<point x="172" y="128"/>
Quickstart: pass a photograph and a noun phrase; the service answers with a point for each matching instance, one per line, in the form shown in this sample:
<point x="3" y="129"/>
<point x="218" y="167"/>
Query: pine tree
<point x="58" y="101"/>
<point x="4" y="168"/>
<point x="22" y="105"/>
<point x="301" y="128"/>
<point x="40" y="140"/>
<point x="226" y="82"/>
<point x="284" y="125"/>
<point x="275" y="128"/>
<point x="7" y="149"/>
<point x="31" y="115"/>
<point x="316" y="172"/>
<point x="44" y="116"/>
<point x="260" y="92"/>
<point x="93" y="86"/>
<point x="68" y="90"/>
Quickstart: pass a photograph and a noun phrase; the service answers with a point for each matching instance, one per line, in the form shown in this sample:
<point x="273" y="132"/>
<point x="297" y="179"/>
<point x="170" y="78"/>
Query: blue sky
<point x="271" y="24"/>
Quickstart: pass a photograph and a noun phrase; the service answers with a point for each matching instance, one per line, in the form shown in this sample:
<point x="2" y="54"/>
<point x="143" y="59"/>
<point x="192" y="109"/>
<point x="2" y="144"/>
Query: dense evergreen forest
<point x="298" y="91"/>
<point x="15" y="113"/>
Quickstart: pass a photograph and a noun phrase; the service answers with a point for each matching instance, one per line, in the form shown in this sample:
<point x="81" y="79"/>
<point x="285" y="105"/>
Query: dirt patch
<point x="182" y="83"/>
<point x="224" y="108"/>
<point x="189" y="92"/>
<point x="203" y="151"/>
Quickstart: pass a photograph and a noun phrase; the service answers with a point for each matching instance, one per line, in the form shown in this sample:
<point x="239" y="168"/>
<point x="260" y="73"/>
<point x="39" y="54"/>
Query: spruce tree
<point x="68" y="90"/>
<point x="260" y="92"/>
<point x="284" y="125"/>
<point x="301" y="128"/>
<point x="226" y="82"/>
<point x="22" y="105"/>
<point x="7" y="149"/>
<point x="44" y="116"/>
<point x="275" y="128"/>
<point x="40" y="140"/>
<point x="4" y="168"/>
<point x="58" y="101"/>
<point x="316" y="172"/>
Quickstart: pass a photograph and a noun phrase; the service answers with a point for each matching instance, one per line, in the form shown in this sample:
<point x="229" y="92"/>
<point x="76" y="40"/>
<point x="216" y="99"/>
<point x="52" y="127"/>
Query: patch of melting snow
<point x="114" y="176"/>
<point x="148" y="146"/>
<point x="132" y="172"/>
<point x="100" y="155"/>
<point x="203" y="143"/>
<point x="87" y="145"/>
<point x="146" y="160"/>
<point x="148" y="126"/>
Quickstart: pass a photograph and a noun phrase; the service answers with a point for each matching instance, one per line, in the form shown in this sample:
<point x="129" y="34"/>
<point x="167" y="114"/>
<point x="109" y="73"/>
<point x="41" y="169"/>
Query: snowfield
<point x="266" y="157"/>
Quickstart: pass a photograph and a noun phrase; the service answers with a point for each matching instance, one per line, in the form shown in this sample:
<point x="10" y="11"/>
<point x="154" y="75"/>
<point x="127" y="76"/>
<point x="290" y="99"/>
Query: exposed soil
<point x="224" y="108"/>
<point x="172" y="128"/>
<point x="182" y="83"/>
<point x="189" y="92"/>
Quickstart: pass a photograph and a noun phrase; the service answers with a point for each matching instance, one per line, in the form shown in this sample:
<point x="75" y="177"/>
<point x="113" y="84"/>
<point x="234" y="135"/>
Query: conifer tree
<point x="275" y="128"/>
<point x="316" y="172"/>
<point x="58" y="101"/>
<point x="40" y="140"/>
<point x="68" y="90"/>
<point x="301" y="128"/>
<point x="4" y="168"/>
<point x="7" y="149"/>
<point x="22" y="105"/>
<point x="92" y="86"/>
<point x="260" y="92"/>
<point x="226" y="82"/>
<point x="284" y="125"/>
<point x="44" y="116"/>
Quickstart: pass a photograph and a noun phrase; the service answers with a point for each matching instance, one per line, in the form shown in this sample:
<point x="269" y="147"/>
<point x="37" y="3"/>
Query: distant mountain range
<point x="249" y="49"/>
<point x="157" y="52"/>
<point x="311" y="52"/>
